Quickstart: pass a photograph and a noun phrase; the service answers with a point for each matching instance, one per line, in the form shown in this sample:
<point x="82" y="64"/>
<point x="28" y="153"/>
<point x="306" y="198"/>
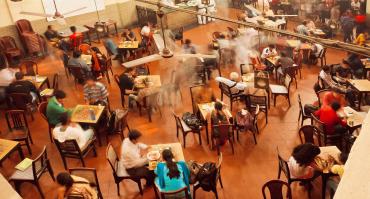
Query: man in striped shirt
<point x="95" y="92"/>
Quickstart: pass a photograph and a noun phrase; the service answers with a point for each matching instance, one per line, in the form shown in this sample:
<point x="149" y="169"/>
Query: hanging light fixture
<point x="99" y="26"/>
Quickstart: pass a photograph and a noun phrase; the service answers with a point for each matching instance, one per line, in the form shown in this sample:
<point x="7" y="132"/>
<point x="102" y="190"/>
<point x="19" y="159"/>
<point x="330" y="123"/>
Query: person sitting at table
<point x="74" y="185"/>
<point x="95" y="92"/>
<point x="337" y="169"/>
<point x="172" y="176"/>
<point x="76" y="61"/>
<point x="332" y="96"/>
<point x="127" y="83"/>
<point x="284" y="62"/>
<point x="269" y="51"/>
<point x="22" y="86"/>
<point x="98" y="60"/>
<point x="188" y="47"/>
<point x="302" y="161"/>
<point x="128" y="35"/>
<point x="218" y="117"/>
<point x="73" y="38"/>
<point x="233" y="82"/>
<point x="7" y="76"/>
<point x="362" y="37"/>
<point x="342" y="70"/>
<point x="55" y="107"/>
<point x="315" y="53"/>
<point x="66" y="130"/>
<point x="328" y="115"/>
<point x="53" y="36"/>
<point x="112" y="47"/>
<point x="133" y="157"/>
<point x="356" y="65"/>
<point x="302" y="28"/>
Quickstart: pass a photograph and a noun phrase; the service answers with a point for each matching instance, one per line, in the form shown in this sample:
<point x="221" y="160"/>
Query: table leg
<point x="206" y="123"/>
<point x="115" y="27"/>
<point x="48" y="82"/>
<point x="19" y="148"/>
<point x="359" y="101"/>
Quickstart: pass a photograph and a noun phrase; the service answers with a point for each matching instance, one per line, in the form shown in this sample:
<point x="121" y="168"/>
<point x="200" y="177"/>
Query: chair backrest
<point x="23" y="25"/>
<point x="320" y="95"/>
<point x="42" y="109"/>
<point x="287" y="81"/>
<point x="65" y="59"/>
<point x="67" y="147"/>
<point x="8" y="43"/>
<point x="301" y="110"/>
<point x="244" y="69"/>
<point x="254" y="100"/>
<point x="16" y="119"/>
<point x="171" y="193"/>
<point x="276" y="189"/>
<point x="20" y="100"/>
<point x="320" y="126"/>
<point x="112" y="158"/>
<point x="77" y="71"/>
<point x="40" y="163"/>
<point x="309" y="133"/>
<point x="29" y="67"/>
<point x="261" y="79"/>
<point x="84" y="48"/>
<point x="89" y="174"/>
<point x="226" y="89"/>
<point x="283" y="165"/>
<point x="56" y="81"/>
<point x="322" y="53"/>
<point x="199" y="94"/>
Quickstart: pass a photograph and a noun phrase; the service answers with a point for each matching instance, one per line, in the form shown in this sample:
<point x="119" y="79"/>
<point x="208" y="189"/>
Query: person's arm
<point x="104" y="92"/>
<point x="86" y="95"/>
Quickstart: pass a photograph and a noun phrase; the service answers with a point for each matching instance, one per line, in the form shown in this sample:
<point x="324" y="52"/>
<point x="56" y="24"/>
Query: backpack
<point x="207" y="176"/>
<point x="191" y="120"/>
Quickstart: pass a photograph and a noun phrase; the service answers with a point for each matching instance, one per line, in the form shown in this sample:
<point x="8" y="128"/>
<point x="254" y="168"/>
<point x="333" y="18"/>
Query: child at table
<point x="338" y="169"/>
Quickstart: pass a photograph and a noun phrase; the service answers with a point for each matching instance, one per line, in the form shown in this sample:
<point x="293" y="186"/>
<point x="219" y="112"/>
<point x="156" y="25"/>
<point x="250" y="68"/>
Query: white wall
<point x="7" y="6"/>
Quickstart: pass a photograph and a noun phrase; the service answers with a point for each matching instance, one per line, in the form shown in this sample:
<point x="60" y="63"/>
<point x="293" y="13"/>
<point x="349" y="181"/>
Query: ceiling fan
<point x="164" y="52"/>
<point x="57" y="15"/>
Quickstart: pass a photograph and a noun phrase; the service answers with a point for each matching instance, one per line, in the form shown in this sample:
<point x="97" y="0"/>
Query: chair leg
<point x="50" y="170"/>
<point x="117" y="183"/>
<point x="140" y="188"/>
<point x="279" y="172"/>
<point x="64" y="162"/>
<point x="237" y="134"/>
<point x="200" y="138"/>
<point x="28" y="147"/>
<point x="254" y="137"/>
<point x="232" y="145"/>
<point x="194" y="190"/>
<point x="288" y="99"/>
<point x="184" y="138"/>
<point x="220" y="180"/>
<point x="50" y="135"/>
<point x="82" y="161"/>
<point x="39" y="188"/>
<point x="215" y="191"/>
<point x="274" y="100"/>
<point x="299" y="116"/>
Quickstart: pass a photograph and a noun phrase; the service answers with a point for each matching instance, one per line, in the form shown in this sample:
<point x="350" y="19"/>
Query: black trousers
<point x="142" y="172"/>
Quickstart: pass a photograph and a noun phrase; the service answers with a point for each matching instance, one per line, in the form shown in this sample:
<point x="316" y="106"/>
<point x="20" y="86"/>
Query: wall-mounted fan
<point x="57" y="15"/>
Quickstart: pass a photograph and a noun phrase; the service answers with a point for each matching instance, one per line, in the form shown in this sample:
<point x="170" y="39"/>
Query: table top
<point x="37" y="80"/>
<point x="362" y="85"/>
<point x="66" y="32"/>
<point x="273" y="60"/>
<point x="353" y="116"/>
<point x="6" y="146"/>
<point x="207" y="108"/>
<point x="145" y="81"/>
<point x="128" y="44"/>
<point x="297" y="43"/>
<point x="323" y="160"/>
<point x="176" y="149"/>
<point x="317" y="32"/>
<point x="7" y="191"/>
<point x="81" y="113"/>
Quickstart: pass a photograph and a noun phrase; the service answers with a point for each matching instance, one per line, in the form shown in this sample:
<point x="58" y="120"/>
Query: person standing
<point x="211" y="10"/>
<point x="202" y="9"/>
<point x="347" y="23"/>
<point x="95" y="92"/>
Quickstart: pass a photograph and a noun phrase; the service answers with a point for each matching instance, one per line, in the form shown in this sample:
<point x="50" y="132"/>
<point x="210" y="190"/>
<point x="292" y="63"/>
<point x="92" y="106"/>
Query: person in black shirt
<point x="22" y="86"/>
<point x="126" y="83"/>
<point x="356" y="65"/>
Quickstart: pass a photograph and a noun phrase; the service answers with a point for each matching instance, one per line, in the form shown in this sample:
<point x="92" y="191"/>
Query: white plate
<point x="153" y="155"/>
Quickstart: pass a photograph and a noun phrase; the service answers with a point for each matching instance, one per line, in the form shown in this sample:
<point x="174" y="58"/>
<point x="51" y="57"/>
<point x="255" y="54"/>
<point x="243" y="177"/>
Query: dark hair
<point x="335" y="105"/>
<point x="63" y="118"/>
<point x="326" y="68"/>
<point x="187" y="41"/>
<point x="76" y="54"/>
<point x="304" y="154"/>
<point x="134" y="134"/>
<point x="65" y="179"/>
<point x="127" y="70"/>
<point x="73" y="29"/>
<point x="49" y="26"/>
<point x="59" y="94"/>
<point x="271" y="45"/>
<point x="218" y="106"/>
<point x="19" y="75"/>
<point x="304" y="22"/>
<point x="343" y="157"/>
<point x="96" y="49"/>
<point x="173" y="170"/>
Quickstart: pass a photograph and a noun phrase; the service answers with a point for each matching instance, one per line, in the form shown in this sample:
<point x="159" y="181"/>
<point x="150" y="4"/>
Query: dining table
<point x="353" y="118"/>
<point x="362" y="86"/>
<point x="175" y="148"/>
<point x="87" y="114"/>
<point x="38" y="80"/>
<point x="7" y="191"/>
<point x="7" y="147"/>
<point x="128" y="45"/>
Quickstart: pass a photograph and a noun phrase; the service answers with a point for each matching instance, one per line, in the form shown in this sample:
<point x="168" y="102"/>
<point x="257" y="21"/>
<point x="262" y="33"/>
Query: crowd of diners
<point x="171" y="175"/>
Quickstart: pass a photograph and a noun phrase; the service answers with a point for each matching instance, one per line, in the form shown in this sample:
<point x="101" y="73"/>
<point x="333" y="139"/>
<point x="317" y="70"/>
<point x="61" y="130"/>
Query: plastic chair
<point x="185" y="129"/>
<point x="275" y="188"/>
<point x="309" y="132"/>
<point x="90" y="175"/>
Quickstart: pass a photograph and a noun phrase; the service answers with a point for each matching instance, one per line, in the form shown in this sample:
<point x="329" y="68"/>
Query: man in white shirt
<point x="7" y="76"/>
<point x="269" y="51"/>
<point x="133" y="157"/>
<point x="233" y="82"/>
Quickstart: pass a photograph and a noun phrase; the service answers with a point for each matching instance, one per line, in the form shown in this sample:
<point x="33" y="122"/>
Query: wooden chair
<point x="84" y="48"/>
<point x="254" y="101"/>
<point x="78" y="74"/>
<point x="254" y="129"/>
<point x="119" y="127"/>
<point x="90" y="175"/>
<point x="42" y="111"/>
<point x="322" y="57"/>
<point x="164" y="195"/>
<point x="244" y="70"/>
<point x="10" y="49"/>
<point x="70" y="149"/>
<point x="320" y="95"/>
<point x="302" y="115"/>
<point x="275" y="188"/>
<point x="324" y="137"/>
<point x="283" y="167"/>
<point x="55" y="84"/>
<point x="18" y="129"/>
<point x="231" y="93"/>
<point x="119" y="171"/>
<point x="215" y="178"/>
<point x="122" y="90"/>
<point x="185" y="129"/>
<point x="225" y="132"/>
<point x="32" y="174"/>
<point x="22" y="101"/>
<point x="283" y="90"/>
<point x="29" y="67"/>
<point x="64" y="57"/>
<point x="309" y="133"/>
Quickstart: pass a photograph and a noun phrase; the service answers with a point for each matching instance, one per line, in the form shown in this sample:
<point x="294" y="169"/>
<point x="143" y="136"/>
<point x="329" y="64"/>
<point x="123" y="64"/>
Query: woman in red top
<point x="328" y="115"/>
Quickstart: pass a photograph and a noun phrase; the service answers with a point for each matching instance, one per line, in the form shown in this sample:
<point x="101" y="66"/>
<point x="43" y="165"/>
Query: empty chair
<point x="10" y="49"/>
<point x="231" y="93"/>
<point x="309" y="134"/>
<point x="283" y="90"/>
<point x="90" y="175"/>
<point x="185" y="129"/>
<point x="32" y="174"/>
<point x="322" y="57"/>
<point x="119" y="171"/>
<point x="22" y="101"/>
<point x="122" y="90"/>
<point x="302" y="115"/>
<point x="55" y="84"/>
<point x="215" y="177"/>
<point x="65" y="59"/>
<point x="29" y="67"/>
<point x="70" y="149"/>
<point x="276" y="189"/>
<point x="32" y="42"/>
<point x="18" y="129"/>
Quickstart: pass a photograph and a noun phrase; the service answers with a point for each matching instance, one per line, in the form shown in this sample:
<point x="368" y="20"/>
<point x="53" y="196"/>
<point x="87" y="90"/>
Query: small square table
<point x="81" y="114"/>
<point x="38" y="81"/>
<point x="175" y="148"/>
<point x="7" y="147"/>
<point x="145" y="81"/>
<point x="362" y="86"/>
<point x="128" y="45"/>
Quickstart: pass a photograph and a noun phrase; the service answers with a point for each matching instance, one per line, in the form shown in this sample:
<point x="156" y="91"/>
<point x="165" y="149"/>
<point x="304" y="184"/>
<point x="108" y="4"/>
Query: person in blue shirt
<point x="172" y="176"/>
